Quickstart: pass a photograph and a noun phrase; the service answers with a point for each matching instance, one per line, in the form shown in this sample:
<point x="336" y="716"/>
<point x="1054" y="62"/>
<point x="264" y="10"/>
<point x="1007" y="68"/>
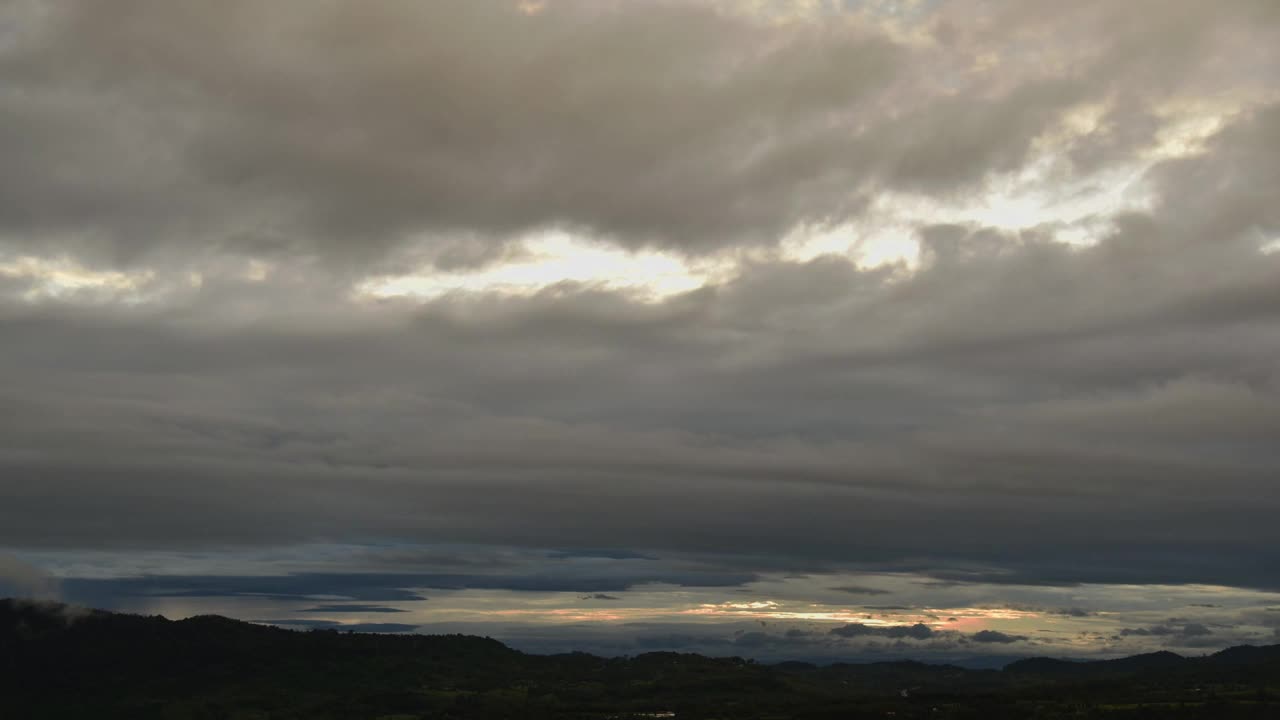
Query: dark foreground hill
<point x="60" y="662"/>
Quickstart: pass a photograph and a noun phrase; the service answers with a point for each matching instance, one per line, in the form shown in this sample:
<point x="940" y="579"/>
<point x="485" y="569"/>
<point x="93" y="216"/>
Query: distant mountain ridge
<point x="59" y="661"/>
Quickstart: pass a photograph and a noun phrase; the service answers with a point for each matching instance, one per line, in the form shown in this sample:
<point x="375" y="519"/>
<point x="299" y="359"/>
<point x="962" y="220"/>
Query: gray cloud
<point x="345" y="627"/>
<point x="342" y="131"/>
<point x="860" y="590"/>
<point x="370" y="586"/>
<point x="995" y="636"/>
<point x="1186" y="633"/>
<point x="1043" y="412"/>
<point x="353" y="608"/>
<point x="919" y="631"/>
<point x="20" y="579"/>
<point x="1076" y="612"/>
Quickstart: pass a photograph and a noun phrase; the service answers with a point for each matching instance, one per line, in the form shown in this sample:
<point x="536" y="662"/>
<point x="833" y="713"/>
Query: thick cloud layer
<point x="343" y="131"/>
<point x="194" y="193"/>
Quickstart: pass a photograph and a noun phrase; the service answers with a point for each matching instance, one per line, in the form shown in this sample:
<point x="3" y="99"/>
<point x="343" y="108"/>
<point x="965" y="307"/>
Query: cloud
<point x="860" y="590"/>
<point x="345" y="627"/>
<point x="919" y="631"/>
<point x="461" y="121"/>
<point x="194" y="194"/>
<point x="1075" y="612"/>
<point x="346" y="131"/>
<point x="1185" y="631"/>
<point x="353" y="609"/>
<point x="19" y="579"/>
<point x="995" y="636"/>
<point x="375" y="587"/>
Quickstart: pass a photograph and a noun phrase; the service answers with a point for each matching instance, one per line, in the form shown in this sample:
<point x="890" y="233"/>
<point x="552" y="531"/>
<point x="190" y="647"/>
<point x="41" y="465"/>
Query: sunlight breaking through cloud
<point x="549" y="260"/>
<point x="61" y="277"/>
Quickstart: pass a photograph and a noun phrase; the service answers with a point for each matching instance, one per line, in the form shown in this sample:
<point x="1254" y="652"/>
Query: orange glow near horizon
<point x="962" y="618"/>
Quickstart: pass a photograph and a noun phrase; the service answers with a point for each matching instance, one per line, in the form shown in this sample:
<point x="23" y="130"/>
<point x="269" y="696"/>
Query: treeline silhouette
<point x="64" y="662"/>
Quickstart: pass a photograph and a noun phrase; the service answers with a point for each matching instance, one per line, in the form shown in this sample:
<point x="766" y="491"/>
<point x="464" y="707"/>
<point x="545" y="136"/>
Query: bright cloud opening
<point x="60" y="277"/>
<point x="554" y="258"/>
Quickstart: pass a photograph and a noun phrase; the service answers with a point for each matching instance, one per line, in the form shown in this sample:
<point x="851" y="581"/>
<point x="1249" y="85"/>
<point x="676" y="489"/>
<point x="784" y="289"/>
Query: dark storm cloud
<point x="1014" y="410"/>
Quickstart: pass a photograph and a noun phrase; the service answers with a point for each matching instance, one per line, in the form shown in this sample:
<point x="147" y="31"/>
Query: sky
<point x="820" y="330"/>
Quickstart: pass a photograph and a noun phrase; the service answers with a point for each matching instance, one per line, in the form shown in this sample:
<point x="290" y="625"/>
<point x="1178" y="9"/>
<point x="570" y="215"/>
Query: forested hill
<point x="63" y="662"/>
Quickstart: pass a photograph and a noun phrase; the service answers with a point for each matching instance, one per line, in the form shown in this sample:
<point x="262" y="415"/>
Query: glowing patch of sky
<point x="1084" y="620"/>
<point x="509" y="615"/>
<point x="1075" y="210"/>
<point x="885" y="234"/>
<point x="554" y="258"/>
<point x="60" y="276"/>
